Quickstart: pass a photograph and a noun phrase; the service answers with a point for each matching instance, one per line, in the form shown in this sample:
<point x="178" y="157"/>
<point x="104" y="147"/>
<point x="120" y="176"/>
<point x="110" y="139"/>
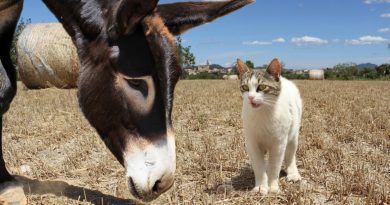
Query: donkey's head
<point x="129" y="71"/>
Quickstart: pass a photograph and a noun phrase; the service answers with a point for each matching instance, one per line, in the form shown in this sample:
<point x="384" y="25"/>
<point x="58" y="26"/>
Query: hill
<point x="366" y="65"/>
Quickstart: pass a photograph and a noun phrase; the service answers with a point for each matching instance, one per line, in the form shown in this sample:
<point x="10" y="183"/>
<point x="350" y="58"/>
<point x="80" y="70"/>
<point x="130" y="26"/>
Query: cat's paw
<point x="293" y="177"/>
<point x="274" y="189"/>
<point x="263" y="190"/>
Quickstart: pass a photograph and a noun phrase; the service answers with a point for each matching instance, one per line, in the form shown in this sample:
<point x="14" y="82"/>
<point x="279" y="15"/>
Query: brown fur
<point x="9" y="13"/>
<point x="154" y="24"/>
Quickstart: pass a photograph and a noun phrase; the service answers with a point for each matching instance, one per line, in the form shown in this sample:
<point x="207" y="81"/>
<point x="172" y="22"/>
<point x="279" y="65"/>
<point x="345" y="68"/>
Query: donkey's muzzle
<point x="150" y="167"/>
<point x="147" y="194"/>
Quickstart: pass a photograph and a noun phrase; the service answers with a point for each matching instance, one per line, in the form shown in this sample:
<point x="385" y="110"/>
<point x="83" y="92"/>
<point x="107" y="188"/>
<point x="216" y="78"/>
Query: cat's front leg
<point x="290" y="160"/>
<point x="276" y="155"/>
<point x="256" y="156"/>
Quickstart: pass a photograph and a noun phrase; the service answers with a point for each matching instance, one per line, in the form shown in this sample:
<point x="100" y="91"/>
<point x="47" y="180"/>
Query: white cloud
<point x="279" y="40"/>
<point x="386" y="15"/>
<point x="308" y="40"/>
<point x="375" y="1"/>
<point x="263" y="43"/>
<point x="367" y="40"/>
<point x="259" y="43"/>
<point x="384" y="30"/>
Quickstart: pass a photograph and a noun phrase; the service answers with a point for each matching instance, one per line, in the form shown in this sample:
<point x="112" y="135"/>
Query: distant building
<point x="299" y="72"/>
<point x="190" y="71"/>
<point x="204" y="68"/>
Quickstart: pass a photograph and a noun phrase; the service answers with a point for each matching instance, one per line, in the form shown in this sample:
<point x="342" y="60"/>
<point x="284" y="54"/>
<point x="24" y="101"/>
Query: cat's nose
<point x="251" y="98"/>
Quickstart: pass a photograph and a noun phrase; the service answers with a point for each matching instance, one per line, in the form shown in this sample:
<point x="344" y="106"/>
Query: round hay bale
<point x="316" y="74"/>
<point x="232" y="77"/>
<point x="47" y="57"/>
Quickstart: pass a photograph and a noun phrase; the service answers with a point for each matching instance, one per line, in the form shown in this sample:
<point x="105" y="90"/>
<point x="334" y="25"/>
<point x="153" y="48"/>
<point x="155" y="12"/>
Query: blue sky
<point x="301" y="33"/>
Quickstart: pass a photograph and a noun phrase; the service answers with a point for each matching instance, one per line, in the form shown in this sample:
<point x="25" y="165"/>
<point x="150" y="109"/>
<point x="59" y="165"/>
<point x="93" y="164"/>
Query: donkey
<point x="129" y="70"/>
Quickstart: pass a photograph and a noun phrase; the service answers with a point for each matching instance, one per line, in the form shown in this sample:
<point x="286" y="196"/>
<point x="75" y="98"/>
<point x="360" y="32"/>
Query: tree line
<point x="350" y="71"/>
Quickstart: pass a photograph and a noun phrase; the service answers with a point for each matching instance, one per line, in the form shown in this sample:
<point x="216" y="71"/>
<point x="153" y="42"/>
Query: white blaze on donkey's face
<point x="150" y="160"/>
<point x="150" y="167"/>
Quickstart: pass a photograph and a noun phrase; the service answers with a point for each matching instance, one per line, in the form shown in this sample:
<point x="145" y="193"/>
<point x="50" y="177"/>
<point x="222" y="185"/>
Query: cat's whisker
<point x="274" y="101"/>
<point x="270" y="99"/>
<point x="267" y="102"/>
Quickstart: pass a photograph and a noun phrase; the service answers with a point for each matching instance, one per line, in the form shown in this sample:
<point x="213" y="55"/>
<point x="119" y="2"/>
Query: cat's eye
<point x="261" y="88"/>
<point x="244" y="88"/>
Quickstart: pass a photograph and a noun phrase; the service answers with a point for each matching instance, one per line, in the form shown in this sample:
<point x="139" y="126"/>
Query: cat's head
<point x="260" y="88"/>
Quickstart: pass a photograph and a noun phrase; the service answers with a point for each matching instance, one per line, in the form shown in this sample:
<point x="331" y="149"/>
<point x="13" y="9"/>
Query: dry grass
<point x="343" y="156"/>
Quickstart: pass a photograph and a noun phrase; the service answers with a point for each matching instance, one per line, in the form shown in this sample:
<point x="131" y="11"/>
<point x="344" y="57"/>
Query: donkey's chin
<point x="150" y="168"/>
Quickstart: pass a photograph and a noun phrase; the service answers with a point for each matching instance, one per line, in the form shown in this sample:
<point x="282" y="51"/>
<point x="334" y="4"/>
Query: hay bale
<point x="316" y="74"/>
<point x="230" y="77"/>
<point x="47" y="57"/>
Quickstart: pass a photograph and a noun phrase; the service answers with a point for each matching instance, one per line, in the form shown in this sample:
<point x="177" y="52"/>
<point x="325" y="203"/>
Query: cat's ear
<point x="242" y="67"/>
<point x="179" y="17"/>
<point x="275" y="69"/>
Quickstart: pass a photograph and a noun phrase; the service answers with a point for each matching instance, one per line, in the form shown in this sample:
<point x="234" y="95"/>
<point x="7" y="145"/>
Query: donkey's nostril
<point x="156" y="186"/>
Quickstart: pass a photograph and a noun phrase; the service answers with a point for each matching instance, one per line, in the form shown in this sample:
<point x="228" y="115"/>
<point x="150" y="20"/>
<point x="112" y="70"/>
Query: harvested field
<point x="343" y="156"/>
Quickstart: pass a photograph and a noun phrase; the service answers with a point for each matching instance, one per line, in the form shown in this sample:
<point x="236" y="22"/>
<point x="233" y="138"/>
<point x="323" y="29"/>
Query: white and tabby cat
<point x="271" y="113"/>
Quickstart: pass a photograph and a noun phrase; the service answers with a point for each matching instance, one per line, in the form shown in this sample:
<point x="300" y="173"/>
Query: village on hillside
<point x="215" y="71"/>
<point x="342" y="71"/>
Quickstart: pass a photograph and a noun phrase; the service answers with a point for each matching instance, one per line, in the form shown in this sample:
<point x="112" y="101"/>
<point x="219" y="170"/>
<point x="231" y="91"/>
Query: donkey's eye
<point x="244" y="88"/>
<point x="138" y="84"/>
<point x="134" y="83"/>
<point x="261" y="88"/>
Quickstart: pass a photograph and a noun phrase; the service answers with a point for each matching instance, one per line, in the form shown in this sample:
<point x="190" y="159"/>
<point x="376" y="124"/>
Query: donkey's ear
<point x="86" y="19"/>
<point x="275" y="69"/>
<point x="81" y="19"/>
<point x="242" y="67"/>
<point x="128" y="14"/>
<point x="179" y="17"/>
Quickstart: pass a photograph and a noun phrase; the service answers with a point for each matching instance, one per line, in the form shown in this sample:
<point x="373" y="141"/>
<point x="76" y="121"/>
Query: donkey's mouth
<point x="141" y="196"/>
<point x="133" y="189"/>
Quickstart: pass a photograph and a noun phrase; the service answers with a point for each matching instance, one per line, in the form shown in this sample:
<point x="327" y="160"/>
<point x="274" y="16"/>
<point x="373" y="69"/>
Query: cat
<point x="271" y="114"/>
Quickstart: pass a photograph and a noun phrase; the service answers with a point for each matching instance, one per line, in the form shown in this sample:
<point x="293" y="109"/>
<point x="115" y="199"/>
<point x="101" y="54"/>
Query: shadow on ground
<point x="61" y="188"/>
<point x="244" y="181"/>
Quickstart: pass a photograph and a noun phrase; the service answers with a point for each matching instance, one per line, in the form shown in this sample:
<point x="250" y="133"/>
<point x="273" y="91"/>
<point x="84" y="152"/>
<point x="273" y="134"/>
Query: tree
<point x="330" y="74"/>
<point x="19" y="28"/>
<point x="250" y="64"/>
<point x="369" y="73"/>
<point x="346" y="71"/>
<point x="264" y="66"/>
<point x="186" y="57"/>
<point x="383" y="69"/>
